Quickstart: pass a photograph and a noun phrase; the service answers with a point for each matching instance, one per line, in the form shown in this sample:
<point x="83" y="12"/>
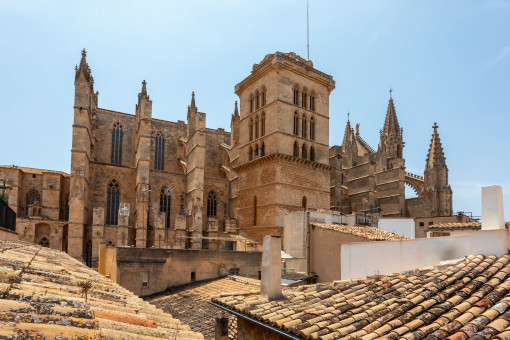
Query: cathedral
<point x="137" y="181"/>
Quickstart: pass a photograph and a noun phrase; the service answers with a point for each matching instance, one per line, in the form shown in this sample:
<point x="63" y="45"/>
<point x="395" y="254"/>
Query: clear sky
<point x="447" y="61"/>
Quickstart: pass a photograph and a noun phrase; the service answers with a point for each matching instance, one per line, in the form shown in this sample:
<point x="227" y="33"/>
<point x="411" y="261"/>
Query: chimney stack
<point x="271" y="285"/>
<point x="493" y="215"/>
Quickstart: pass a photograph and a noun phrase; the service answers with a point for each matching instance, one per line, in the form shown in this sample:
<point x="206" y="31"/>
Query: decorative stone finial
<point x="193" y="99"/>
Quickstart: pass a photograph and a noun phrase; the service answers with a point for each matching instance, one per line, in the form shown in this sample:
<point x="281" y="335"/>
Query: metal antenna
<point x="307" y="33"/>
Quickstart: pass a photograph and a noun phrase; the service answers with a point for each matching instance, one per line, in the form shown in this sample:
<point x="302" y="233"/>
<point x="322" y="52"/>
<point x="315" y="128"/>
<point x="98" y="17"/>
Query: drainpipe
<point x="307" y="240"/>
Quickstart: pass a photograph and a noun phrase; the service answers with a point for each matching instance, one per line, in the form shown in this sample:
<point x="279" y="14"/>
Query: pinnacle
<point x="236" y="111"/>
<point x="144" y="88"/>
<point x="435" y="157"/>
<point x="193" y="99"/>
<point x="391" y="125"/>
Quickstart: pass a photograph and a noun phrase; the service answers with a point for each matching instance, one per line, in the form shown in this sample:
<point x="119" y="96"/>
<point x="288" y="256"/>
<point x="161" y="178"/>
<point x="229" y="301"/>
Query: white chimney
<point x="493" y="215"/>
<point x="271" y="285"/>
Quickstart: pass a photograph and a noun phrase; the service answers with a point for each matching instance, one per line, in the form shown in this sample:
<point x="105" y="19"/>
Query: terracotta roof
<point x="466" y="300"/>
<point x="460" y="225"/>
<point x="190" y="303"/>
<point x="42" y="297"/>
<point x="370" y="233"/>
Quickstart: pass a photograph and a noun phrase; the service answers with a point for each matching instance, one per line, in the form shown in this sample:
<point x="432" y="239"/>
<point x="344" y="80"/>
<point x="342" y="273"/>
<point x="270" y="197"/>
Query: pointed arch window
<point x="251" y="129"/>
<point x="263" y="124"/>
<point x="312" y="128"/>
<point x="112" y="203"/>
<point x="165" y="204"/>
<point x="296" y="149"/>
<point x="159" y="159"/>
<point x="117" y="137"/>
<point x="312" y="101"/>
<point x="32" y="198"/>
<point x="257" y="126"/>
<point x="263" y="96"/>
<point x="250" y="154"/>
<point x="303" y="152"/>
<point x="256" y="151"/>
<point x="296" y="124"/>
<point x="303" y="99"/>
<point x="211" y="204"/>
<point x="303" y="126"/>
<point x="296" y="95"/>
<point x="312" y="154"/>
<point x="251" y="103"/>
<point x="262" y="150"/>
<point x="257" y="100"/>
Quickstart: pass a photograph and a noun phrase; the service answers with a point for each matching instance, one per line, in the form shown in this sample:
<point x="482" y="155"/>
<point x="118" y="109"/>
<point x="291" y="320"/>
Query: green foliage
<point x="4" y="198"/>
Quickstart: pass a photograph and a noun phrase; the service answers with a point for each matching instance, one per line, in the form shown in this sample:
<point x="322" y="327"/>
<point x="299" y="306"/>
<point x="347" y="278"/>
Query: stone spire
<point x="435" y="157"/>
<point x="144" y="88"/>
<point x="193" y="106"/>
<point x="84" y="67"/>
<point x="391" y="126"/>
<point x="347" y="135"/>
<point x="235" y="115"/>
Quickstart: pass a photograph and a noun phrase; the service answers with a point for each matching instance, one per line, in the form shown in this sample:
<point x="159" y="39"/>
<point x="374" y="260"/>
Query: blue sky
<point x="447" y="61"/>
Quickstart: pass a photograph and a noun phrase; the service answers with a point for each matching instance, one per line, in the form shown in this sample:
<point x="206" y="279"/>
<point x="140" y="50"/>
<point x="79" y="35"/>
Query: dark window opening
<point x="262" y="150"/>
<point x="303" y="152"/>
<point x="296" y="124"/>
<point x="312" y="154"/>
<point x="296" y="149"/>
<point x="303" y="127"/>
<point x="165" y="201"/>
<point x="193" y="276"/>
<point x="112" y="203"/>
<point x="211" y="204"/>
<point x="159" y="159"/>
<point x="117" y="136"/>
<point x="263" y="125"/>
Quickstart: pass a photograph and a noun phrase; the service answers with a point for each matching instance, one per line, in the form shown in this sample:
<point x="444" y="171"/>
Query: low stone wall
<point x="8" y="235"/>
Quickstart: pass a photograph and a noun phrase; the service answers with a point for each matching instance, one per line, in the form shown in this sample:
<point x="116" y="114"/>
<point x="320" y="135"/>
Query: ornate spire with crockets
<point x="144" y="88"/>
<point x="193" y="106"/>
<point x="435" y="157"/>
<point x="347" y="134"/>
<point x="391" y="126"/>
<point x="84" y="67"/>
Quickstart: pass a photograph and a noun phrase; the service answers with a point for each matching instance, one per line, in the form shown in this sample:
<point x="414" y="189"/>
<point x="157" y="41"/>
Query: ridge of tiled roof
<point x="460" y="225"/>
<point x="33" y="170"/>
<point x="190" y="303"/>
<point x="41" y="292"/>
<point x="368" y="232"/>
<point x="466" y="300"/>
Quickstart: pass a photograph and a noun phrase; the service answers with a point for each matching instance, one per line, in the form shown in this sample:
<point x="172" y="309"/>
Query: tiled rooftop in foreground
<point x="466" y="300"/>
<point x="460" y="226"/>
<point x="368" y="232"/>
<point x="190" y="303"/>
<point x="42" y="298"/>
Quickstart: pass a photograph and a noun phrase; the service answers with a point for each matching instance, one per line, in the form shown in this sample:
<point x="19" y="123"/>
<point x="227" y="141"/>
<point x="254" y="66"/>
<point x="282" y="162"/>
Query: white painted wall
<point x="401" y="226"/>
<point x="371" y="258"/>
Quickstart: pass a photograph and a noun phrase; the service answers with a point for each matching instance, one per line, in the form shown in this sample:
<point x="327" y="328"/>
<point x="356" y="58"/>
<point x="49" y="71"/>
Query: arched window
<point x="44" y="242"/>
<point x="250" y="154"/>
<point x="117" y="136"/>
<point x="113" y="202"/>
<point x="33" y="197"/>
<point x="251" y="129"/>
<point x="263" y="124"/>
<point x="256" y="151"/>
<point x="303" y="203"/>
<point x="303" y="152"/>
<point x="296" y="124"/>
<point x="251" y="103"/>
<point x="257" y="100"/>
<point x="312" y="154"/>
<point x="303" y="98"/>
<point x="296" y="95"/>
<point x="303" y="126"/>
<point x="296" y="149"/>
<point x="165" y="201"/>
<point x="211" y="204"/>
<point x="263" y="94"/>
<point x="262" y="150"/>
<point x="312" y="128"/>
<point x="312" y="101"/>
<point x="159" y="154"/>
<point x="257" y="125"/>
<point x="255" y="210"/>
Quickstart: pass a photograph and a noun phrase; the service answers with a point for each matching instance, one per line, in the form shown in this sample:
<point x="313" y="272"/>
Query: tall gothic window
<point x="33" y="197"/>
<point x="250" y="154"/>
<point x="263" y="96"/>
<point x="296" y="149"/>
<point x="312" y="102"/>
<point x="256" y="151"/>
<point x="159" y="159"/>
<point x="312" y="128"/>
<point x="251" y="103"/>
<point x="303" y="152"/>
<point x="262" y="150"/>
<point x="312" y="154"/>
<point x="117" y="136"/>
<point x="251" y="129"/>
<point x="257" y="125"/>
<point x="303" y="126"/>
<point x="296" y="124"/>
<point x="263" y="124"/>
<point x="303" y="98"/>
<point x="112" y="203"/>
<point x="211" y="204"/>
<point x="257" y="100"/>
<point x="165" y="201"/>
<point x="296" y="95"/>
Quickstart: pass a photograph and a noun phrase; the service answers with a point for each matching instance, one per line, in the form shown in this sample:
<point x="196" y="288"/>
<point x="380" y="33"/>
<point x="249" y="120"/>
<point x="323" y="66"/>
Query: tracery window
<point x="44" y="242"/>
<point x="263" y="124"/>
<point x="296" y="149"/>
<point x="112" y="203"/>
<point x="211" y="204"/>
<point x="312" y="154"/>
<point x="312" y="128"/>
<point x="303" y="152"/>
<point x="165" y="200"/>
<point x="33" y="197"/>
<point x="257" y="125"/>
<point x="159" y="159"/>
<point x="251" y="129"/>
<point x="262" y="150"/>
<point x="296" y="124"/>
<point x="303" y="126"/>
<point x="117" y="137"/>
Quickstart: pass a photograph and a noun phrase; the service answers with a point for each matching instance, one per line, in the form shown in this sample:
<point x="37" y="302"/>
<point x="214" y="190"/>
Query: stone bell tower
<point x="283" y="142"/>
